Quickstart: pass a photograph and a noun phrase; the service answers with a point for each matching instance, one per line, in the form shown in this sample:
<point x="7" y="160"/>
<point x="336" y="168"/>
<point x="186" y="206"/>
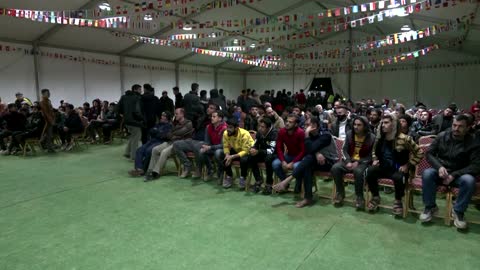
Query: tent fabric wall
<point x="231" y="83"/>
<point x="16" y="74"/>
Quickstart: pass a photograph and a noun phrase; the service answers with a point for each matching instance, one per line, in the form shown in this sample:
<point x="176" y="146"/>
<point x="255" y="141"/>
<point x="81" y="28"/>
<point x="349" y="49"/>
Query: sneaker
<point x="459" y="220"/>
<point x="210" y="176"/>
<point x="427" y="214"/>
<point x="241" y="182"/>
<point x="151" y="177"/>
<point x="338" y="201"/>
<point x="185" y="173"/>
<point x="267" y="190"/>
<point x="360" y="203"/>
<point x="69" y="147"/>
<point x="257" y="187"/>
<point x="227" y="182"/>
<point x="196" y="174"/>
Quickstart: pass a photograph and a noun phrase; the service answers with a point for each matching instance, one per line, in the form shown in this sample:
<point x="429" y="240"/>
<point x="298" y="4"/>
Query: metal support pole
<point x="36" y="68"/>
<point x="122" y="75"/>
<point x="350" y="61"/>
<point x="215" y="78"/>
<point x="177" y="74"/>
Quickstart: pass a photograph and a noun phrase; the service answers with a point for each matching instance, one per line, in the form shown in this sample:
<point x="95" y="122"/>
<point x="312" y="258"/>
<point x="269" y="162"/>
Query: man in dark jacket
<point x="343" y="124"/>
<point x="217" y="99"/>
<point x="320" y="154"/>
<point x="357" y="155"/>
<point x="455" y="158"/>
<point x="15" y="124"/>
<point x="178" y="97"/>
<point x="166" y="103"/>
<point x="262" y="151"/>
<point x="131" y="109"/>
<point x="34" y="127"/>
<point x="443" y="121"/>
<point x="158" y="135"/>
<point x="182" y="129"/>
<point x="73" y="125"/>
<point x="423" y="126"/>
<point x="151" y="110"/>
<point x="194" y="110"/>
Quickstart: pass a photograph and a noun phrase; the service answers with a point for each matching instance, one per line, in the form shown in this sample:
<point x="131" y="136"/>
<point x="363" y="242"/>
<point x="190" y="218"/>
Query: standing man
<point x="194" y="110"/>
<point x="455" y="158"/>
<point x="178" y="97"/>
<point x="151" y="109"/>
<point x="131" y="109"/>
<point x="49" y="116"/>
<point x="166" y="103"/>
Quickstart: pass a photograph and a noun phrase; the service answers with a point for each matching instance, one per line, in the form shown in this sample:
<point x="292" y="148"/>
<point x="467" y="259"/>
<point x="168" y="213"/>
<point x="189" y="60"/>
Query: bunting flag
<point x="457" y="24"/>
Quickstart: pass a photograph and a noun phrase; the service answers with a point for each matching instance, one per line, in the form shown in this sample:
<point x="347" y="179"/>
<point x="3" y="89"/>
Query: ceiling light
<point x="235" y="41"/>
<point x="252" y="45"/>
<point x="213" y="35"/>
<point x="187" y="27"/>
<point x="405" y="28"/>
<point x="104" y="6"/>
<point x="269" y="50"/>
<point x="148" y="17"/>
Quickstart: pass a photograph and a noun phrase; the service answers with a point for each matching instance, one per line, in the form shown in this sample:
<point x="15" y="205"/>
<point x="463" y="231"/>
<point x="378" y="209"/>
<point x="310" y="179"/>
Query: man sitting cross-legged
<point x="320" y="154"/>
<point x="182" y="129"/>
<point x="182" y="147"/>
<point x="212" y="146"/>
<point x="455" y="158"/>
<point x="357" y="155"/>
<point x="158" y="135"/>
<point x="236" y="145"/>
<point x="262" y="151"/>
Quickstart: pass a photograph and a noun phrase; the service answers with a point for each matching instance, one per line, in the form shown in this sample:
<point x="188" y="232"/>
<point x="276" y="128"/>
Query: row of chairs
<point x="413" y="186"/>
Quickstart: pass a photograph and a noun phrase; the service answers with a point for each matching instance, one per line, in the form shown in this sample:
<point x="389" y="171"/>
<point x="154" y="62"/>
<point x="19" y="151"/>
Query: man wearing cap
<point x="20" y="99"/>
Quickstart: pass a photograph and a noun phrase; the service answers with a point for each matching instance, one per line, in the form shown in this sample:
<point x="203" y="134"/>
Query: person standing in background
<point x="130" y="108"/>
<point x="49" y="116"/>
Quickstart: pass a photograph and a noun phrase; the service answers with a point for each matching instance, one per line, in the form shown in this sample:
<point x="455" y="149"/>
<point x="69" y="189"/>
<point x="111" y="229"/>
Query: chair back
<point x="426" y="139"/>
<point x="339" y="144"/>
<point x="423" y="164"/>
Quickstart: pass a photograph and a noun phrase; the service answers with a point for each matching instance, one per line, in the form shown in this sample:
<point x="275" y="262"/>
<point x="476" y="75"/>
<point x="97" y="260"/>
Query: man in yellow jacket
<point x="236" y="144"/>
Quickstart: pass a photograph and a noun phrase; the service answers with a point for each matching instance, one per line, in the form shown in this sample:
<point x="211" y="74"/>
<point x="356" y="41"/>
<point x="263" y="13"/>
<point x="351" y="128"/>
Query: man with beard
<point x="357" y="155"/>
<point x="455" y="158"/>
<point x="444" y="121"/>
<point x="374" y="117"/>
<point x="395" y="155"/>
<point x="251" y="120"/>
<point x="320" y="154"/>
<point x="292" y="139"/>
<point x="277" y="121"/>
<point x="262" y="151"/>
<point x="166" y="103"/>
<point x="236" y="145"/>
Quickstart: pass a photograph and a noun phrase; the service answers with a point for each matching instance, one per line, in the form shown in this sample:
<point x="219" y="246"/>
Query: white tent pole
<point x="36" y="69"/>
<point x="122" y="75"/>
<point x="350" y="61"/>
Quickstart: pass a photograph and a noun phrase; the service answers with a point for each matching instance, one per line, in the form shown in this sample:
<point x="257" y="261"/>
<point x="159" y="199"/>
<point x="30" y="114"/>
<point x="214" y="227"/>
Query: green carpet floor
<point x="80" y="210"/>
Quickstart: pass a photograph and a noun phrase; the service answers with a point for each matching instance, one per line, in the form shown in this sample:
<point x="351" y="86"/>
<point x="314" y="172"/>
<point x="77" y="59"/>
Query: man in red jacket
<point x="290" y="147"/>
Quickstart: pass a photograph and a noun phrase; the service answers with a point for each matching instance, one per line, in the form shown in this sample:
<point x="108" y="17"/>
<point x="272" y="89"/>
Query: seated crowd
<point x="290" y="136"/>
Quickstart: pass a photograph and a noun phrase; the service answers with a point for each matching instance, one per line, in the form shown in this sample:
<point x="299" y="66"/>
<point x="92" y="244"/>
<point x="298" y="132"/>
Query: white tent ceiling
<point x="102" y="40"/>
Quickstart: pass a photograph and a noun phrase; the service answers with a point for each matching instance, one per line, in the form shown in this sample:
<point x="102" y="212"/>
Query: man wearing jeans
<point x="290" y="147"/>
<point x="455" y="158"/>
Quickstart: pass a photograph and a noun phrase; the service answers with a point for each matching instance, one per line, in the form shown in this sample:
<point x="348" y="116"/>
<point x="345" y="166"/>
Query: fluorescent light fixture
<point x="104" y="6"/>
<point x="252" y="45"/>
<point x="269" y="50"/>
<point x="213" y="35"/>
<point x="148" y="17"/>
<point x="235" y="41"/>
<point x="187" y="27"/>
<point x="405" y="28"/>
